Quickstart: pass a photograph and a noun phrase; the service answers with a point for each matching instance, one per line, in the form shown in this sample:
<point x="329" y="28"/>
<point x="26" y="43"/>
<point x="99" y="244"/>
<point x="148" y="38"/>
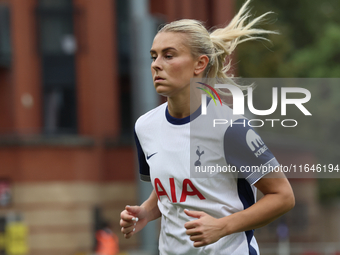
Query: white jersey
<point x="169" y="152"/>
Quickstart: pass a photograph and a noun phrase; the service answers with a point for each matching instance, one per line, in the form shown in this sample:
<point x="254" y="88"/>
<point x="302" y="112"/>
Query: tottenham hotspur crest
<point x="199" y="154"/>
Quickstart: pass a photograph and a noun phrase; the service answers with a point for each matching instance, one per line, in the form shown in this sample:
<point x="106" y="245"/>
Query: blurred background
<point x="74" y="77"/>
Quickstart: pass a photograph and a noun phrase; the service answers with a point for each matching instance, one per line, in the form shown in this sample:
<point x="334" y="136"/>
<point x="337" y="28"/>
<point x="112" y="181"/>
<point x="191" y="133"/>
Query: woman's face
<point x="173" y="64"/>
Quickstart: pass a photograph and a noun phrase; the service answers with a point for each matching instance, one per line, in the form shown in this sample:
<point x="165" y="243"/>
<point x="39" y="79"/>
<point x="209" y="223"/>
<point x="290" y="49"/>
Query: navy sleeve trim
<point x="145" y="178"/>
<point x="144" y="168"/>
<point x="264" y="169"/>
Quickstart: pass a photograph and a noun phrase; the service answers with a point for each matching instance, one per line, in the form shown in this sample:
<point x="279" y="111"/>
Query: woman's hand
<point x="278" y="199"/>
<point x="135" y="218"/>
<point x="205" y="230"/>
<point x="132" y="220"/>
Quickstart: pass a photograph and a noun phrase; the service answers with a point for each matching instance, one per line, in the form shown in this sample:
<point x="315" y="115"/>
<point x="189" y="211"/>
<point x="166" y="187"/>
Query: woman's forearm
<point x="270" y="207"/>
<point x="151" y="207"/>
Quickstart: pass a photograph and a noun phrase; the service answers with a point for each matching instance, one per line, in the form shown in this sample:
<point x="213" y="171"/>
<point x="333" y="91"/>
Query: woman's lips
<point x="157" y="79"/>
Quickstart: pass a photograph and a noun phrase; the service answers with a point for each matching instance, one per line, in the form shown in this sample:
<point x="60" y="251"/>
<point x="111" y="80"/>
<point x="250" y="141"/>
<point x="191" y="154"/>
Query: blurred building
<point x="67" y="109"/>
<point x="66" y="112"/>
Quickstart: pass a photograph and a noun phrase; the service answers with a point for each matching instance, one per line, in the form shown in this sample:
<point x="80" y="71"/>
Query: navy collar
<point x="185" y="120"/>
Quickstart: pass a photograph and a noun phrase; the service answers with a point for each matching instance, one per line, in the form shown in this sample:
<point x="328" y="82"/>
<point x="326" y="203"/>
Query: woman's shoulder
<point x="152" y="116"/>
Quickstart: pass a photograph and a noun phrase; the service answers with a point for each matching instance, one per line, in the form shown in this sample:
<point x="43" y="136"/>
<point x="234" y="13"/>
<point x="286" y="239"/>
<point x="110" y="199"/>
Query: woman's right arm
<point x="134" y="218"/>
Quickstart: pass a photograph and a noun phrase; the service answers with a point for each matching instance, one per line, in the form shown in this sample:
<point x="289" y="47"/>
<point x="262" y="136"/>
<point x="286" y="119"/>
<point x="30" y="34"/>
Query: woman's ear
<point x="201" y="64"/>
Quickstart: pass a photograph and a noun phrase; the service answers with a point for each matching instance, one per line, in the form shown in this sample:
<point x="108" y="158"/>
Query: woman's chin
<point x="163" y="90"/>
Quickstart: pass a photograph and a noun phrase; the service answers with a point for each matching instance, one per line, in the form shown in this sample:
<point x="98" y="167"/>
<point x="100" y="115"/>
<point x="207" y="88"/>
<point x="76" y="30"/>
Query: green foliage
<point x="321" y="59"/>
<point x="329" y="189"/>
<point x="308" y="46"/>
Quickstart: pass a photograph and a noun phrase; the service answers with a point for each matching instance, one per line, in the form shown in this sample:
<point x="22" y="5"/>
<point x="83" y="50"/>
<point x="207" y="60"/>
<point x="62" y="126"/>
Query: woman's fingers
<point x="193" y="231"/>
<point x="130" y="217"/>
<point x="126" y="224"/>
<point x="127" y="219"/>
<point x="126" y="216"/>
<point x="129" y="230"/>
<point x="127" y="236"/>
<point x="196" y="238"/>
<point x="126" y="230"/>
<point x="199" y="244"/>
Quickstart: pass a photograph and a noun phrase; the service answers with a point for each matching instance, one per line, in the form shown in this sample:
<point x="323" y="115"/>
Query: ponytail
<point x="226" y="39"/>
<point x="219" y="44"/>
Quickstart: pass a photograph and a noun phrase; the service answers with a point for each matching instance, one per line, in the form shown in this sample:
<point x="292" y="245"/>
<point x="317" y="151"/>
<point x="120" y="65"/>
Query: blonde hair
<point x="220" y="43"/>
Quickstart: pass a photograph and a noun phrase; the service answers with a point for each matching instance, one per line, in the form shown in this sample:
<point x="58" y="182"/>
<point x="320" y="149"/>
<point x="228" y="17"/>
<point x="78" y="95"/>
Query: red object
<point x="107" y="242"/>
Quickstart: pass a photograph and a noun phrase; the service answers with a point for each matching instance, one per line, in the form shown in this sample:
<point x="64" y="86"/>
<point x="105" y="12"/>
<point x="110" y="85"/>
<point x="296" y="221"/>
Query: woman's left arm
<point x="277" y="200"/>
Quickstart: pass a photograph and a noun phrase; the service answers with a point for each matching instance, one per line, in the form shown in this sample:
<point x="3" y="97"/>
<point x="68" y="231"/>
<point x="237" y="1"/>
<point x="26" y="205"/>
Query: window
<point x="5" y="42"/>
<point x="58" y="47"/>
<point x="124" y="67"/>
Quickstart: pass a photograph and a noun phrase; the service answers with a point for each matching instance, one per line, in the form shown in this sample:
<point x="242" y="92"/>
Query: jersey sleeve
<point x="144" y="169"/>
<point x="244" y="149"/>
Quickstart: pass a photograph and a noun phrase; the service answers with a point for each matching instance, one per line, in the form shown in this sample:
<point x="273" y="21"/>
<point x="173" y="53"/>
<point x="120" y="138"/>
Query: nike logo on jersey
<point x="147" y="157"/>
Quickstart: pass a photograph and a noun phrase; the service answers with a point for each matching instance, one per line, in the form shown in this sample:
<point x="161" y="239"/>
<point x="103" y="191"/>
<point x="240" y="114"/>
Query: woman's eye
<point x="168" y="56"/>
<point x="153" y="58"/>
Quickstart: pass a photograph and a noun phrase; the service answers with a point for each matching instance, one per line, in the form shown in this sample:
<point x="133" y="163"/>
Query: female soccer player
<point x="202" y="215"/>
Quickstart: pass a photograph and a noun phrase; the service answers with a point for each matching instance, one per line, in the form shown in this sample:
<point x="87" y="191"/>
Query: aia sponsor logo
<point x="188" y="189"/>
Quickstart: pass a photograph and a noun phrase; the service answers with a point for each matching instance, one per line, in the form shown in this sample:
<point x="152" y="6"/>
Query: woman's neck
<point x="179" y="107"/>
<point x="182" y="106"/>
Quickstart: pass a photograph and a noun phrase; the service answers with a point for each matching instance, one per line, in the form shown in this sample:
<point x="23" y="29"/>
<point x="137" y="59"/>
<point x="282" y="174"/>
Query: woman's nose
<point x="156" y="64"/>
